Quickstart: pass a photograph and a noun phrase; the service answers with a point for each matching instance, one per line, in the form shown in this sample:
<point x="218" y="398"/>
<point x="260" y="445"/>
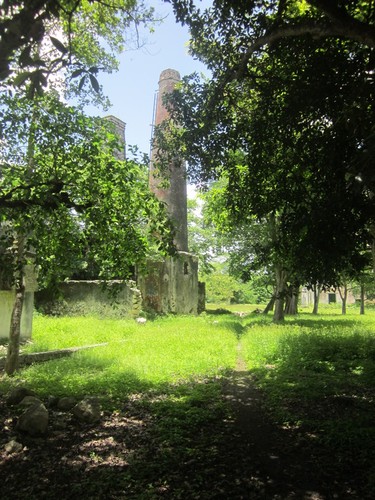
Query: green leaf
<point x="38" y="62"/>
<point x="25" y="58"/>
<point x="21" y="78"/>
<point x="76" y="73"/>
<point x="82" y="83"/>
<point x="94" y="83"/>
<point x="59" y="45"/>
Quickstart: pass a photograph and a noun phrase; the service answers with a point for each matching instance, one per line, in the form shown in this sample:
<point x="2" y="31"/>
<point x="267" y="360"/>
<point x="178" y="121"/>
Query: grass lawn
<point x="316" y="354"/>
<point x="137" y="357"/>
<point x="317" y="374"/>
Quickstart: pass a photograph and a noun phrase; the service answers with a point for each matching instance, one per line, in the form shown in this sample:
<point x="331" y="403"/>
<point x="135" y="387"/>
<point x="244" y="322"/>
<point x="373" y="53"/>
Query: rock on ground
<point x="18" y="394"/>
<point x="88" y="410"/>
<point x="34" y="420"/>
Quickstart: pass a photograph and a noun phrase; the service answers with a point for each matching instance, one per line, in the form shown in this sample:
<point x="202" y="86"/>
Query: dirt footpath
<point x="274" y="462"/>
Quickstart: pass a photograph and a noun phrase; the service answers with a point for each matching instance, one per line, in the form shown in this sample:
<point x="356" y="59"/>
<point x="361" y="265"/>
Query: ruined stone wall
<point x="119" y="126"/>
<point x="171" y="285"/>
<point x="90" y="297"/>
<point x="7" y="298"/>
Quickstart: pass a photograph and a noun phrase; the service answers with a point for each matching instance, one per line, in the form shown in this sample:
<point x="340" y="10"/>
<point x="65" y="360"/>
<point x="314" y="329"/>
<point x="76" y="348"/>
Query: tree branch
<point x="55" y="197"/>
<point x="331" y="9"/>
<point x="353" y="30"/>
<point x="49" y="204"/>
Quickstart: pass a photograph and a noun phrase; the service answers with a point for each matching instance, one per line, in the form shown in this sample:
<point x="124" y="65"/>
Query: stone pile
<point x="34" y="414"/>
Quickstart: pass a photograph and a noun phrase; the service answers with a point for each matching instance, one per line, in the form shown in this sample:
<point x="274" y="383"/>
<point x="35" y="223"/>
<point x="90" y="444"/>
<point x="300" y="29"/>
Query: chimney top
<point x="169" y="74"/>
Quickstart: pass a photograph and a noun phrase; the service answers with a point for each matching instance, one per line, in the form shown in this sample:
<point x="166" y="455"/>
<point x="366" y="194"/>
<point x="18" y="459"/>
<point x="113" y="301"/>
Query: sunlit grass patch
<point x="60" y="332"/>
<point x="261" y="341"/>
<point x="136" y="358"/>
<point x="346" y="335"/>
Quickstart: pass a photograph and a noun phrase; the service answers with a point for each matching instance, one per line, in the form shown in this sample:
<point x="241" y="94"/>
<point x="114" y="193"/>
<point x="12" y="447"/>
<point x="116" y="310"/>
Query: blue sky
<point x="131" y="90"/>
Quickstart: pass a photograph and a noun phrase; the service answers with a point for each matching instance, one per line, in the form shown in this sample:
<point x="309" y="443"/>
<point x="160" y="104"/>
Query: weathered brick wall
<point x="172" y="188"/>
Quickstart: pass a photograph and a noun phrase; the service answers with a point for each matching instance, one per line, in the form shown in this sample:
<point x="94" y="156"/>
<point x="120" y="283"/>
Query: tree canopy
<point x="82" y="37"/>
<point x="259" y="24"/>
<point x="288" y="124"/>
<point x="65" y="195"/>
<point x="62" y="185"/>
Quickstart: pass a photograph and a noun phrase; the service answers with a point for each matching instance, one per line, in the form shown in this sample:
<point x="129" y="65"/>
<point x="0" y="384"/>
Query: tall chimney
<point x="119" y="129"/>
<point x="173" y="192"/>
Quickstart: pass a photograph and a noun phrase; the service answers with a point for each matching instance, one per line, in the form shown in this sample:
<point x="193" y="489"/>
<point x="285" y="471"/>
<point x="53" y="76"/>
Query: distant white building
<point x="328" y="297"/>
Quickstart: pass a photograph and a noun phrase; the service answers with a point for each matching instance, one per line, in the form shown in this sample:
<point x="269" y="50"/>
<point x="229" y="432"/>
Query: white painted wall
<point x="6" y="307"/>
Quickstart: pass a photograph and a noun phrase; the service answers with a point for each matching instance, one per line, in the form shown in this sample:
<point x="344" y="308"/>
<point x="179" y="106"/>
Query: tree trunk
<point x="291" y="306"/>
<point x="316" y="292"/>
<point x="343" y="306"/>
<point x="270" y="305"/>
<point x="288" y="300"/>
<point x="372" y="232"/>
<point x="278" y="314"/>
<point x="362" y="307"/>
<point x="12" y="360"/>
<point x="343" y="295"/>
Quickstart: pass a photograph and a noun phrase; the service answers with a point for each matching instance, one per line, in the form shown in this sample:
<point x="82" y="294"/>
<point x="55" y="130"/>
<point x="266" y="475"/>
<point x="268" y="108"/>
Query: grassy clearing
<point x="59" y="332"/>
<point x="268" y="343"/>
<point x="307" y="355"/>
<point x="317" y="373"/>
<point x="137" y="357"/>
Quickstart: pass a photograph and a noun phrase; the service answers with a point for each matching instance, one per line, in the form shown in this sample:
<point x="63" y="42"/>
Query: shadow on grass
<point x="315" y="322"/>
<point x="235" y="326"/>
<point x="84" y="373"/>
<point x="206" y="439"/>
<point x="349" y="358"/>
<point x="210" y="438"/>
<point x="323" y="385"/>
<point x="218" y="311"/>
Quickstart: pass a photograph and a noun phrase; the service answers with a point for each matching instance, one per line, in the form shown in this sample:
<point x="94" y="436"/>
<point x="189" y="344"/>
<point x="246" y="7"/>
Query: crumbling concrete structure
<point x="171" y="285"/>
<point x="85" y="297"/>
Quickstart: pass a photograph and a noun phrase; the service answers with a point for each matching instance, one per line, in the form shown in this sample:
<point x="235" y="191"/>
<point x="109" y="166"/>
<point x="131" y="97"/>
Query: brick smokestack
<point x="119" y="129"/>
<point x="173" y="192"/>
